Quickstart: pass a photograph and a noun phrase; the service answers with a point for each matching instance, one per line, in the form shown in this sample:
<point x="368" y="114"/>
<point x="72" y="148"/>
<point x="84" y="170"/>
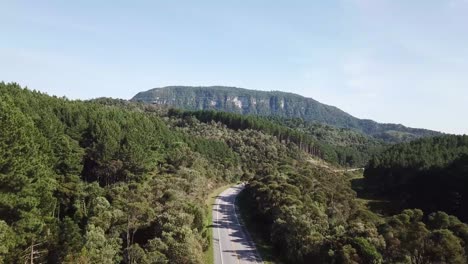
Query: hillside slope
<point x="108" y="181"/>
<point x="275" y="103"/>
<point x="429" y="173"/>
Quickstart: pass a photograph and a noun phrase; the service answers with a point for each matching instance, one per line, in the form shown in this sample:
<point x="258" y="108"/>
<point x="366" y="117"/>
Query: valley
<point x="234" y="132"/>
<point x="116" y="181"/>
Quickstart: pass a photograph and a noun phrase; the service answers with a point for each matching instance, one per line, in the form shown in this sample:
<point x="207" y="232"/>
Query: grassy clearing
<point x="373" y="202"/>
<point x="209" y="254"/>
<point x="263" y="247"/>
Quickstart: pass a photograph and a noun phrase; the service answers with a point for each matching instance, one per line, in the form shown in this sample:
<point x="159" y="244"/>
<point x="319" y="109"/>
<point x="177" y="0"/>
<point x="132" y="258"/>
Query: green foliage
<point x="308" y="140"/>
<point x="100" y="182"/>
<point x="301" y="207"/>
<point x="312" y="217"/>
<point x="215" y="150"/>
<point x="99" y="248"/>
<point x="239" y="122"/>
<point x="430" y="174"/>
<point x="27" y="183"/>
<point x="8" y="239"/>
<point x="108" y="181"/>
<point x="70" y="241"/>
<point x="409" y="239"/>
<point x="368" y="252"/>
<point x="344" y="146"/>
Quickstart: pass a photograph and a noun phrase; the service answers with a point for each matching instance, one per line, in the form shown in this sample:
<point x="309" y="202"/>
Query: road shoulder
<point x="251" y="228"/>
<point x="210" y="201"/>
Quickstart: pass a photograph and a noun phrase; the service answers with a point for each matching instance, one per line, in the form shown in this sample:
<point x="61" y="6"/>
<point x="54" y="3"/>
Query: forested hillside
<point x="352" y="148"/>
<point x="337" y="146"/>
<point x="280" y="104"/>
<point x="97" y="182"/>
<point x="430" y="173"/>
<point x="108" y="181"/>
<point x="312" y="216"/>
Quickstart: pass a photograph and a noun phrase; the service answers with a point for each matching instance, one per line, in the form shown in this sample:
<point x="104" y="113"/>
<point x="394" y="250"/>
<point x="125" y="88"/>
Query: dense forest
<point x="430" y="173"/>
<point x="82" y="182"/>
<point x="108" y="181"/>
<point x="274" y="103"/>
<point x="311" y="216"/>
<point x="352" y="148"/>
<point x="342" y="147"/>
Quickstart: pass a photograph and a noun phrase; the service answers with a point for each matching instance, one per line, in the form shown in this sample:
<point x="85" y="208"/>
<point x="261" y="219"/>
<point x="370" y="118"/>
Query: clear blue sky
<point x="395" y="61"/>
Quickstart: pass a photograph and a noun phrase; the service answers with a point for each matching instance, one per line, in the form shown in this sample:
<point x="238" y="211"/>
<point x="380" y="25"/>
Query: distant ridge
<point x="274" y="103"/>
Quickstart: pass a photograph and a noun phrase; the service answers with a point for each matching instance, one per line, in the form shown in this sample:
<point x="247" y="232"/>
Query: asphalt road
<point x="231" y="242"/>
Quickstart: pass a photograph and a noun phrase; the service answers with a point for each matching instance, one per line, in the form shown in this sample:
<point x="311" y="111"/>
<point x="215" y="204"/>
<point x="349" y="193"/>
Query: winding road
<point x="231" y="242"/>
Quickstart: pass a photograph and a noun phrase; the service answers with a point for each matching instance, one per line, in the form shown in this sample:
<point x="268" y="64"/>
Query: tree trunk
<point x="32" y="252"/>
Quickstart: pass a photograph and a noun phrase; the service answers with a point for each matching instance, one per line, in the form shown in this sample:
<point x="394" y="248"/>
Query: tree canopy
<point x="109" y="181"/>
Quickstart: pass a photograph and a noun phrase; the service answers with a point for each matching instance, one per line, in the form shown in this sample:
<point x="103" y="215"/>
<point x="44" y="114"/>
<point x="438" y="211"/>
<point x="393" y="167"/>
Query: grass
<point x="379" y="206"/>
<point x="209" y="254"/>
<point x="264" y="248"/>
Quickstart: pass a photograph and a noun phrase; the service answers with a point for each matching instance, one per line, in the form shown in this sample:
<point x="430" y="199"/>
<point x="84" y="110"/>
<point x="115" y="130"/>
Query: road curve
<point x="231" y="242"/>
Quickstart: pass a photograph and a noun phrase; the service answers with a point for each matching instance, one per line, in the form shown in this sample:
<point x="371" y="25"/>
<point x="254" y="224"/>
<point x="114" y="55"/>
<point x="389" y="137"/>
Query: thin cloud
<point x="458" y="3"/>
<point x="367" y="4"/>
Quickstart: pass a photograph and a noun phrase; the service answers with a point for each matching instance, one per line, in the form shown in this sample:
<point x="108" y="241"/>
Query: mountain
<point x="110" y="181"/>
<point x="274" y="103"/>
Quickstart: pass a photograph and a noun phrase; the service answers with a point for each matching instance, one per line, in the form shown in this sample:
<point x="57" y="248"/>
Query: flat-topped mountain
<point x="274" y="103"/>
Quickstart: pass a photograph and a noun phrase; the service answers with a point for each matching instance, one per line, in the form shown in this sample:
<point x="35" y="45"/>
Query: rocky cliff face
<point x="243" y="101"/>
<point x="288" y="105"/>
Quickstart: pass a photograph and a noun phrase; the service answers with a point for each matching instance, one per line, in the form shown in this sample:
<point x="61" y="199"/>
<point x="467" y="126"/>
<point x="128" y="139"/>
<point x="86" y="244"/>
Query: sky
<point x="393" y="61"/>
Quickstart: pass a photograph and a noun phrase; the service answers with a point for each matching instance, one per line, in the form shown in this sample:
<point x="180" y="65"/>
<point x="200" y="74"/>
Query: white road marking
<point x="219" y="234"/>
<point x="235" y="248"/>
<point x="244" y="234"/>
